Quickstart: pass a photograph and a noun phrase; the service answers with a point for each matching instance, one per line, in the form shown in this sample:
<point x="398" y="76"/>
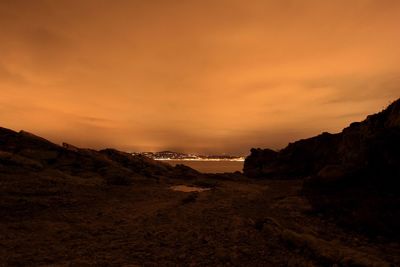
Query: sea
<point x="210" y="166"/>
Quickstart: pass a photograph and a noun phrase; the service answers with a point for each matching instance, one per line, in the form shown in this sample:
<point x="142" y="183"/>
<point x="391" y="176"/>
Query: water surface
<point x="210" y="166"/>
<point x="185" y="188"/>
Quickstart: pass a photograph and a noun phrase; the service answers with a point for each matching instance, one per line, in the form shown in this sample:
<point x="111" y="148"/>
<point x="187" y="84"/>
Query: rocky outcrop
<point x="371" y="144"/>
<point x="362" y="191"/>
<point x="298" y="159"/>
<point x="352" y="176"/>
<point x="23" y="151"/>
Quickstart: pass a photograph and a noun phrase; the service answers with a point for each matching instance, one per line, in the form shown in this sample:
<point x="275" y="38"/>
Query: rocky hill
<point x="28" y="153"/>
<point x="353" y="176"/>
<point x="371" y="144"/>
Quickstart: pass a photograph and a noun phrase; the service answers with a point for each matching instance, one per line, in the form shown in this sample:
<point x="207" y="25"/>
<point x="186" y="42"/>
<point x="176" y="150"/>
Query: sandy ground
<point x="237" y="223"/>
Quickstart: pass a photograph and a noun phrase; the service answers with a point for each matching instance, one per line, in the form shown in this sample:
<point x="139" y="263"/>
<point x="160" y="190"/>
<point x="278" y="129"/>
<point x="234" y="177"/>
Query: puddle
<point x="185" y="188"/>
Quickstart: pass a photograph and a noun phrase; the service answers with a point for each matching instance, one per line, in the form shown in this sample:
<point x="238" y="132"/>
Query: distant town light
<point x="170" y="155"/>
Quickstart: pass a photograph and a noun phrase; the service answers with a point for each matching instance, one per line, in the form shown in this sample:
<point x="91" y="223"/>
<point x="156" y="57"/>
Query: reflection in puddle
<point x="185" y="188"/>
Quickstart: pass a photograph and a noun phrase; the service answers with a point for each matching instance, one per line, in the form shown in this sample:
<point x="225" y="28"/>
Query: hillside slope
<point x="352" y="176"/>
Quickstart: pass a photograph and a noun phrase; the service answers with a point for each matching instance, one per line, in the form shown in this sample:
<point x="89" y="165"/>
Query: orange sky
<point x="203" y="76"/>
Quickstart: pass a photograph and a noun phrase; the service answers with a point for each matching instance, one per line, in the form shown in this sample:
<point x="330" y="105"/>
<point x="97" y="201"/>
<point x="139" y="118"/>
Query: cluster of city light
<point x="175" y="156"/>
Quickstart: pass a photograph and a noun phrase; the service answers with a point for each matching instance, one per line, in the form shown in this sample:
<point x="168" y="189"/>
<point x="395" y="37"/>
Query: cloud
<point x="209" y="76"/>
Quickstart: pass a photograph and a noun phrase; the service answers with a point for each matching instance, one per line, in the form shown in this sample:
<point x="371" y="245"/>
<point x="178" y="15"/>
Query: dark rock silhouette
<point x="27" y="151"/>
<point x="371" y="144"/>
<point x="354" y="176"/>
<point x="362" y="191"/>
<point x="297" y="160"/>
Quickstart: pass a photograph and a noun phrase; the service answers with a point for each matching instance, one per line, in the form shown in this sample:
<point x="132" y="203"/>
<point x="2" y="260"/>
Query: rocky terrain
<point x="331" y="200"/>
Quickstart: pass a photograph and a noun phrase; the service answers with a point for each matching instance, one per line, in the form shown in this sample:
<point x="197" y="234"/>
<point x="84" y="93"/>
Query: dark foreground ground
<point x="240" y="222"/>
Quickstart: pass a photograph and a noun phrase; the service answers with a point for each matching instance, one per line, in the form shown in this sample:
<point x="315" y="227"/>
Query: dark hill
<point x="23" y="151"/>
<point x="371" y="144"/>
<point x="352" y="176"/>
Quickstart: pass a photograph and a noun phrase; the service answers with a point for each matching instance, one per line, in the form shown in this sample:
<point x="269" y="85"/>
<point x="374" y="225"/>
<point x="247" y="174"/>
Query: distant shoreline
<point x="240" y="160"/>
<point x="208" y="165"/>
